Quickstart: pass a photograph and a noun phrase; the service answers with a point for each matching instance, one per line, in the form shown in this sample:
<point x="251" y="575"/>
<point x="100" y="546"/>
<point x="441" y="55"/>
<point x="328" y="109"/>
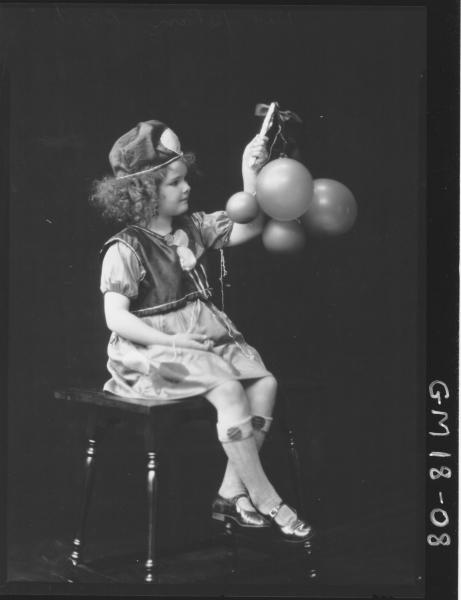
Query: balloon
<point x="283" y="236"/>
<point x="242" y="207"/>
<point x="333" y="209"/>
<point x="284" y="189"/>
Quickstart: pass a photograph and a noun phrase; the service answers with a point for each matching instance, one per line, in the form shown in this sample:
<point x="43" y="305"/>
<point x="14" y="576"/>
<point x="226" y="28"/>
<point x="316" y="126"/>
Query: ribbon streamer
<point x="284" y="115"/>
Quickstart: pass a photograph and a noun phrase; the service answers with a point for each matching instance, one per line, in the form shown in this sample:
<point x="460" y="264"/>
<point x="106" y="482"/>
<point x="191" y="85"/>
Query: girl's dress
<point x="169" y="263"/>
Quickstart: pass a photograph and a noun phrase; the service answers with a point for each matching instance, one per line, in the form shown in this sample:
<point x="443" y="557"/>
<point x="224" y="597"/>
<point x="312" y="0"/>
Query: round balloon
<point x="283" y="236"/>
<point x="242" y="207"/>
<point x="284" y="189"/>
<point x="333" y="209"/>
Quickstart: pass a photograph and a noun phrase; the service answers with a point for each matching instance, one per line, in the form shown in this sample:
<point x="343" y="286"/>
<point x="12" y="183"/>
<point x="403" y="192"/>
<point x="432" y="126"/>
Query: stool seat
<point x="141" y="405"/>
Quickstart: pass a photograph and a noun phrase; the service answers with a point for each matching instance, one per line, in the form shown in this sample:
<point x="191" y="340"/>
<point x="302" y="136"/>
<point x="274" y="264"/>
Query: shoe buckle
<point x="274" y="511"/>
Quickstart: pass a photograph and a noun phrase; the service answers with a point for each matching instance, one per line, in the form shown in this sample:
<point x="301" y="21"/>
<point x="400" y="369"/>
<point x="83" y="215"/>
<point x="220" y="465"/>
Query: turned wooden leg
<point x="232" y="547"/>
<point x="152" y="506"/>
<point x="293" y="452"/>
<point x="296" y="468"/>
<point x="93" y="435"/>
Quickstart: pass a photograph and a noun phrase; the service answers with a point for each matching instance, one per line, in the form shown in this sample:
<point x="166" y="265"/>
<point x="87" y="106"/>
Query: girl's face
<point x="174" y="191"/>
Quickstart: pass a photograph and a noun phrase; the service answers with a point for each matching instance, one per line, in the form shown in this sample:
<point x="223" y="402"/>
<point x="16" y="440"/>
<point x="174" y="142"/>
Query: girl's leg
<point x="236" y="435"/>
<point x="261" y="395"/>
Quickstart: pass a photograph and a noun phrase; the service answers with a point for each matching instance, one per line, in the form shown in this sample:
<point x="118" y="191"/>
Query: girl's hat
<point x="149" y="146"/>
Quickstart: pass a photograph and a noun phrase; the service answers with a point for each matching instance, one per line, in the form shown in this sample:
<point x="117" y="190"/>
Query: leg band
<point x="229" y="431"/>
<point x="260" y="423"/>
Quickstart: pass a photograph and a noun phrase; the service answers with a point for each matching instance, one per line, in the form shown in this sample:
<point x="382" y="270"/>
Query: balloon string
<point x="284" y="140"/>
<point x="195" y="314"/>
<point x="222" y="274"/>
<point x="194" y="275"/>
<point x="222" y="318"/>
<point x="205" y="276"/>
<point x="276" y="136"/>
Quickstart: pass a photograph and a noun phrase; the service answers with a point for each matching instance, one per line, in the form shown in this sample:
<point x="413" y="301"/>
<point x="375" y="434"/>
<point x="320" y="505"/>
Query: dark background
<point x="342" y="318"/>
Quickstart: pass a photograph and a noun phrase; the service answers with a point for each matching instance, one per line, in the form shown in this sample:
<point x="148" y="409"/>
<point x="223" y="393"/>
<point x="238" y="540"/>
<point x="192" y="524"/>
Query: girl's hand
<point x="254" y="156"/>
<point x="195" y="341"/>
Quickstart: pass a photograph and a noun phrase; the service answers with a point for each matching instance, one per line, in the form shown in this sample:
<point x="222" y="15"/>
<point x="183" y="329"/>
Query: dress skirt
<point x="171" y="372"/>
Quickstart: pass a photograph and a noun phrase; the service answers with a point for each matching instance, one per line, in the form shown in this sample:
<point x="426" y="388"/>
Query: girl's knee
<point x="268" y="386"/>
<point x="230" y="401"/>
<point x="271" y="383"/>
<point x="262" y="396"/>
<point x="229" y="393"/>
<point x="230" y="388"/>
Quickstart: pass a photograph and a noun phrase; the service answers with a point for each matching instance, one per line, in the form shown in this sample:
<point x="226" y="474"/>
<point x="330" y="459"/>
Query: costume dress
<point x="166" y="281"/>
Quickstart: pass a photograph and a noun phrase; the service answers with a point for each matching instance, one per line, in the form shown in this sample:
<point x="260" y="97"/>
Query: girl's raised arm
<point x="254" y="157"/>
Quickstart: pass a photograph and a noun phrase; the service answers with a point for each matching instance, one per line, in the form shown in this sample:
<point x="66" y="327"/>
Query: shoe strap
<point x="242" y="495"/>
<point x="275" y="511"/>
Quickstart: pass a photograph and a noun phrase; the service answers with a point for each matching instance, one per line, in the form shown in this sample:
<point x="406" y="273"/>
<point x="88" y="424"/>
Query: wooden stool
<point x="156" y="416"/>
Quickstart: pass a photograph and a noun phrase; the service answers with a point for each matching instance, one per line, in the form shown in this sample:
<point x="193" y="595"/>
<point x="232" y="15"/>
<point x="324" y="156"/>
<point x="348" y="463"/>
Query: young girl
<point x="168" y="339"/>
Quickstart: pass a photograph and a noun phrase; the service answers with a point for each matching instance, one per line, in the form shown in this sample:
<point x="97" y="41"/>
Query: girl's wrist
<point x="164" y="339"/>
<point x="249" y="183"/>
<point x="172" y="339"/>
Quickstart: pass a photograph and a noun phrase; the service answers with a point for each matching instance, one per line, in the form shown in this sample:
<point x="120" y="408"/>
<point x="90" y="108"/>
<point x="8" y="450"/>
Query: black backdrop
<point x="343" y="317"/>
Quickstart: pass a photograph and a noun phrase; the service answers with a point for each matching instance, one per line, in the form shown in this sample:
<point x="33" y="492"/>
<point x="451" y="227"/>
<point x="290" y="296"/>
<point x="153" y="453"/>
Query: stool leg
<point x="293" y="452"/>
<point x="232" y="548"/>
<point x="92" y="433"/>
<point x="152" y="506"/>
<point x="296" y="467"/>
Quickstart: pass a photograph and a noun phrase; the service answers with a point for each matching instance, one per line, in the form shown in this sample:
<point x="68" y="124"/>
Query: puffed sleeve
<point x="215" y="228"/>
<point x="121" y="271"/>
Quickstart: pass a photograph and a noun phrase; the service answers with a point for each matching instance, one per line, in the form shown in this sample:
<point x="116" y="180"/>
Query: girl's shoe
<point x="296" y="530"/>
<point x="228" y="509"/>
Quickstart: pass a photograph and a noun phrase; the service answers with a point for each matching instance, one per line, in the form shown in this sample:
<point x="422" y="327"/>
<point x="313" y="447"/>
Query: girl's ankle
<point x="244" y="502"/>
<point x="228" y="493"/>
<point x="266" y="505"/>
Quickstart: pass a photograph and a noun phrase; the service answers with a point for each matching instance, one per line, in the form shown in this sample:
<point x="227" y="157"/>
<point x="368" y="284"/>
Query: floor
<point x="344" y="562"/>
<point x="366" y="543"/>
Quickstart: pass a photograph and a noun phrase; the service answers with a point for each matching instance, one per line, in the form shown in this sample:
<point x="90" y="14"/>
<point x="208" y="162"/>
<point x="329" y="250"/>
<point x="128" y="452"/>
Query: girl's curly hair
<point x="131" y="200"/>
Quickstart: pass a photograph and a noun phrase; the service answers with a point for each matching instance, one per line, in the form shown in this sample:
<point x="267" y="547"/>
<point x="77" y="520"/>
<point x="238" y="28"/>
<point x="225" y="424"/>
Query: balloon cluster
<point x="286" y="192"/>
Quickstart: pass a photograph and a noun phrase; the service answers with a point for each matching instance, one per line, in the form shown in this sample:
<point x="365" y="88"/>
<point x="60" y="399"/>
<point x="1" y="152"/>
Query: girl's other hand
<point x="195" y="341"/>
